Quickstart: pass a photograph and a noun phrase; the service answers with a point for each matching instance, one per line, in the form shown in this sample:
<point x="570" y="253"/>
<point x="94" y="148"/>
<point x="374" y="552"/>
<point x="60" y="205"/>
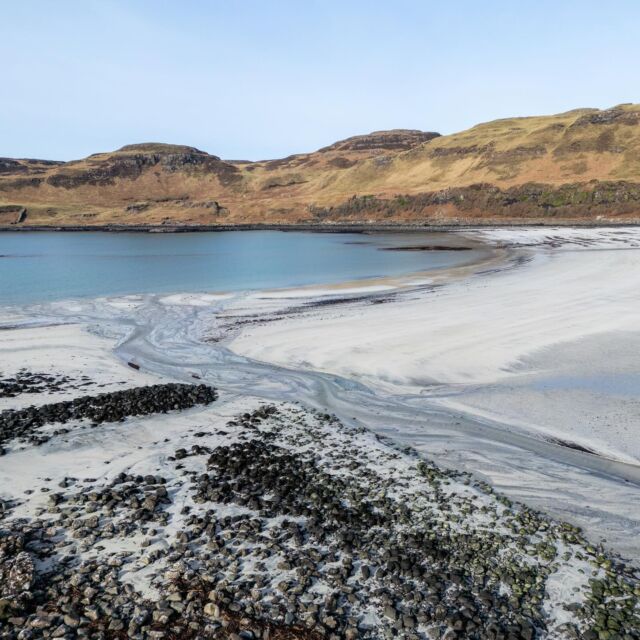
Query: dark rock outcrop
<point x="120" y="165"/>
<point x="394" y="140"/>
<point x="615" y="115"/>
<point x="528" y="201"/>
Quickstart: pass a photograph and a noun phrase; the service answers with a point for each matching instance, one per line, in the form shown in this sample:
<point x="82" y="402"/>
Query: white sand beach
<point x="65" y="350"/>
<point x="523" y="345"/>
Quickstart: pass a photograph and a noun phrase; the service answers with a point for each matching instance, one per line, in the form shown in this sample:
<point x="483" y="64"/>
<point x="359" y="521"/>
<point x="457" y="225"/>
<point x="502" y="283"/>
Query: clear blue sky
<point x="260" y="79"/>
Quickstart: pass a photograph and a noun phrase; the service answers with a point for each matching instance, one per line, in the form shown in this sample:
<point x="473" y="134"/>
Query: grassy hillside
<point x="583" y="165"/>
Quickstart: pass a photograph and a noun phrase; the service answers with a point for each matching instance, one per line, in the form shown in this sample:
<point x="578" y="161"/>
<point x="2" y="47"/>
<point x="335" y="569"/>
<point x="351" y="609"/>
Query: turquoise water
<point x="38" y="267"/>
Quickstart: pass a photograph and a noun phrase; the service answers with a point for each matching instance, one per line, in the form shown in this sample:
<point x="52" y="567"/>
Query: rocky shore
<point x="25" y="381"/>
<point x="333" y="227"/>
<point x="279" y="522"/>
<point x="107" y="407"/>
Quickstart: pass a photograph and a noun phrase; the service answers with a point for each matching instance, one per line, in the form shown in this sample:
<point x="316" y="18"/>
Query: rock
<point x="17" y="574"/>
<point x="107" y="407"/>
<point x="71" y="621"/>
<point x="390" y="612"/>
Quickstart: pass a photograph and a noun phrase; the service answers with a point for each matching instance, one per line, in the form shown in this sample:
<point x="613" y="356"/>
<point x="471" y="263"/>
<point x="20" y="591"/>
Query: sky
<point x="264" y="79"/>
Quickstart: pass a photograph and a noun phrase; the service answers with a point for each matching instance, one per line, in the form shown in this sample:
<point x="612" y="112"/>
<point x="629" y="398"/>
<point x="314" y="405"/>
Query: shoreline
<point x="163" y="333"/>
<point x="485" y="350"/>
<point x="322" y="228"/>
<point x="186" y="336"/>
<point x="492" y="374"/>
<point x="384" y="260"/>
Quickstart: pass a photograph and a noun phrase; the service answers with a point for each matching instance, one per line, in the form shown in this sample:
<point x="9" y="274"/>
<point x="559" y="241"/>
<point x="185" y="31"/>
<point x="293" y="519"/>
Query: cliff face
<point x="583" y="165"/>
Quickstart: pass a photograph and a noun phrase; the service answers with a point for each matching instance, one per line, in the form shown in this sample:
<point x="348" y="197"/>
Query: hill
<point x="578" y="166"/>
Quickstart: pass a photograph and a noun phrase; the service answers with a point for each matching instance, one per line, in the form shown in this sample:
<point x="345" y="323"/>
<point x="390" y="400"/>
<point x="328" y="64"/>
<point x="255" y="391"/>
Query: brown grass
<point x="577" y="146"/>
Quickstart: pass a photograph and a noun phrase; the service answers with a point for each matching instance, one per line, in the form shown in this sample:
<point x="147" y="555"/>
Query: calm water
<point x="38" y="267"/>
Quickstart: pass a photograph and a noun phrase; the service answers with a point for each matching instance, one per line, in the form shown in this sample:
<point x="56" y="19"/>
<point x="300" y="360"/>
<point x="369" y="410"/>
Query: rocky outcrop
<point x="21" y="183"/>
<point x="616" y="115"/>
<point x="184" y="203"/>
<point x="132" y="165"/>
<point x="7" y="165"/>
<point x="160" y="147"/>
<point x="213" y="205"/>
<point x="471" y="150"/>
<point x="17" y="211"/>
<point x="341" y="162"/>
<point x="529" y="201"/>
<point x="27" y="165"/>
<point x="394" y="140"/>
<point x="137" y="207"/>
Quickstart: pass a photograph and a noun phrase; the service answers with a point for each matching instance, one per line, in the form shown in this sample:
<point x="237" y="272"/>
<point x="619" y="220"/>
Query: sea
<point x="47" y="266"/>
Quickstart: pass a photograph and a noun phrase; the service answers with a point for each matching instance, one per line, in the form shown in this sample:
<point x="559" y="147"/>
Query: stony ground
<point x="25" y="381"/>
<point x="285" y="523"/>
<point x="26" y="424"/>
